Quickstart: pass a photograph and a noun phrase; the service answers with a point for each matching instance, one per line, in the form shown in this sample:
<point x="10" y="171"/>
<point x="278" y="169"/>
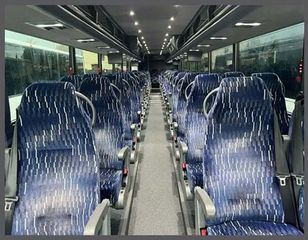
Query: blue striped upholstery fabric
<point x="195" y="125"/>
<point x="109" y="133"/>
<point x="253" y="228"/>
<point x="301" y="207"/>
<point x="234" y="74"/>
<point x="239" y="156"/>
<point x="175" y="91"/>
<point x="135" y="85"/>
<point x="58" y="172"/>
<point x="126" y="103"/>
<point x="179" y="114"/>
<point x="276" y="88"/>
<point x="75" y="80"/>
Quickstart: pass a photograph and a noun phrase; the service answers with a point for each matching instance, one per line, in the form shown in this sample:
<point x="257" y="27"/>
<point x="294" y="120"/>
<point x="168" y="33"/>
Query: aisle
<point x="156" y="207"/>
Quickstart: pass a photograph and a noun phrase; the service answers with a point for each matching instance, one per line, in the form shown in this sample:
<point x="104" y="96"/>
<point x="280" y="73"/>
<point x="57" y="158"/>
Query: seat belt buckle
<point x="283" y="179"/>
<point x="299" y="179"/>
<point x="9" y="201"/>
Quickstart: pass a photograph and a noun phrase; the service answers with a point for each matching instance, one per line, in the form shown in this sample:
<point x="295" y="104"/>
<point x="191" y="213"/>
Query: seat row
<point x="235" y="161"/>
<point x="71" y="153"/>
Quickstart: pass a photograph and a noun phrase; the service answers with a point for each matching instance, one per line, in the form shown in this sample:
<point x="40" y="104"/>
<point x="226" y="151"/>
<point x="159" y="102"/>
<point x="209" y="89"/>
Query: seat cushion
<point x="111" y="181"/>
<point x="246" y="228"/>
<point x="194" y="175"/>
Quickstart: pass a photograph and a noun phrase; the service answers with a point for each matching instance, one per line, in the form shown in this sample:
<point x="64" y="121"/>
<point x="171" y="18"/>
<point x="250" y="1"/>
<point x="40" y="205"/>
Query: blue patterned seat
<point x="276" y="88"/>
<point x="239" y="161"/>
<point x="126" y="103"/>
<point x="74" y="79"/>
<point x="234" y="74"/>
<point x="136" y="89"/>
<point x="297" y="155"/>
<point x="195" y="126"/>
<point x="109" y="134"/>
<point x="58" y="171"/>
<point x="175" y="90"/>
<point x="179" y="114"/>
<point x="246" y="228"/>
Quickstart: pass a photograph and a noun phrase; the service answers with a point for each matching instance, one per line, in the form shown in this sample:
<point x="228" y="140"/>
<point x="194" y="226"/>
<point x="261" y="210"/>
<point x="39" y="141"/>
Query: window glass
<point x="105" y="65"/>
<point x="280" y="52"/>
<point x="222" y="59"/>
<point x="204" y="66"/>
<point x="29" y="59"/>
<point x="87" y="62"/>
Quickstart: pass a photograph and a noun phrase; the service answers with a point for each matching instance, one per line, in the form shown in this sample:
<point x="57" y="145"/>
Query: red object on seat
<point x="125" y="171"/>
<point x="203" y="232"/>
<point x="184" y="166"/>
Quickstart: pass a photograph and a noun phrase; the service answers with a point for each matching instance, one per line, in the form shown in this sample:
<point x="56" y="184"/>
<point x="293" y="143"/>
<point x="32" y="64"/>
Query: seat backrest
<point x="109" y="126"/>
<point x="276" y="87"/>
<point x="194" y="116"/>
<point x="234" y="74"/>
<point x="74" y="79"/>
<point x="58" y="174"/>
<point x="239" y="154"/>
<point x="297" y="154"/>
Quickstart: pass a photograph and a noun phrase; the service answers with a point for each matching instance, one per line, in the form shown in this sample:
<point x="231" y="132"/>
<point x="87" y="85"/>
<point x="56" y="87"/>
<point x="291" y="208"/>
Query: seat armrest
<point x="204" y="208"/>
<point x="123" y="153"/>
<point x="183" y="147"/>
<point x="133" y="126"/>
<point x="99" y="221"/>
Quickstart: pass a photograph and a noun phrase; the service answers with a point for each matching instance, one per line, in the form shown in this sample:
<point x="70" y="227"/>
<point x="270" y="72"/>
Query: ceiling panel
<point x="153" y="20"/>
<point x="16" y="17"/>
<point x="272" y="17"/>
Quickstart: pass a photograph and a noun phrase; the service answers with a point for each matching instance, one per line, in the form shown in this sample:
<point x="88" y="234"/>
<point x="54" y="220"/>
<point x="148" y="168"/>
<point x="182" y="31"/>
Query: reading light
<point x="49" y="25"/>
<point x="242" y="24"/>
<point x="86" y="40"/>
<point x="218" y="38"/>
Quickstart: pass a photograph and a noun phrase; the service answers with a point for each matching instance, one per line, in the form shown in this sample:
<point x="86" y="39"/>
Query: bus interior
<point x="154" y="120"/>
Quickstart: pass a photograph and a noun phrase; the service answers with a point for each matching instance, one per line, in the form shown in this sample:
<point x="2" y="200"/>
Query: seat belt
<point x="284" y="177"/>
<point x="297" y="144"/>
<point x="11" y="183"/>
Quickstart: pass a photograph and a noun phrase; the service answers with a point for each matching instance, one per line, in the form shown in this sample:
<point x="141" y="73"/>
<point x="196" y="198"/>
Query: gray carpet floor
<point x="156" y="207"/>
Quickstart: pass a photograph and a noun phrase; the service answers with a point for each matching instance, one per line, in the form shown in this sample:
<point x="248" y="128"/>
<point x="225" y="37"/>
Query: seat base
<point x="248" y="228"/>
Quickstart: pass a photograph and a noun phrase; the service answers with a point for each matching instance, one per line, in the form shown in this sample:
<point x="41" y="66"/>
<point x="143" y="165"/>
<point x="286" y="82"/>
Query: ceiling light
<point x="49" y="25"/>
<point x="167" y="35"/>
<point x="143" y="42"/>
<point x="165" y="39"/>
<point x="139" y="31"/>
<point x="131" y="13"/>
<point x="169" y="26"/>
<point x="194" y="50"/>
<point x="253" y="24"/>
<point x="218" y="38"/>
<point x="86" y="40"/>
<point x="142" y="37"/>
<point x="172" y="19"/>
<point x="203" y="45"/>
<point x="103" y="47"/>
<point x="136" y="23"/>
